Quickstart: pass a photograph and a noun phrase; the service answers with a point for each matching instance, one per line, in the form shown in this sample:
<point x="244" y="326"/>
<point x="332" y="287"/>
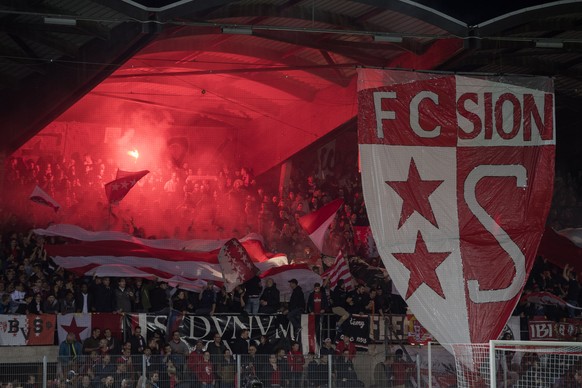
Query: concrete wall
<point x="25" y="354"/>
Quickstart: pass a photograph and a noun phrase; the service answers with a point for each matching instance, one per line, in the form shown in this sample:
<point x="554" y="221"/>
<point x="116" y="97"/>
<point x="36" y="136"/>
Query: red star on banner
<point x="414" y="193"/>
<point x="422" y="265"/>
<point x="73" y="328"/>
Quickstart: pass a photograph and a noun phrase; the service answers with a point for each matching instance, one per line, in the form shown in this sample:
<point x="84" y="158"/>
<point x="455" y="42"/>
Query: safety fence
<point x="200" y="370"/>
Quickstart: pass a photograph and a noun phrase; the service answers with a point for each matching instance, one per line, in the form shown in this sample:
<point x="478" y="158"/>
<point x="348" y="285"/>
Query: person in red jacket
<point x="346" y="344"/>
<point x="296" y="362"/>
<point x="205" y="372"/>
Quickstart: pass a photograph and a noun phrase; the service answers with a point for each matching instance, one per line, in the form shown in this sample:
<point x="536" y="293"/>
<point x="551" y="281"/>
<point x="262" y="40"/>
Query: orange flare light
<point x="133" y="154"/>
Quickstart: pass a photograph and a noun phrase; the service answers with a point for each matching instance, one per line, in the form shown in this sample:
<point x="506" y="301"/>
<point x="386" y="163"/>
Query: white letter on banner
<point x="193" y="326"/>
<point x="415" y="115"/>
<point x="487" y="296"/>
<point x="382" y="114"/>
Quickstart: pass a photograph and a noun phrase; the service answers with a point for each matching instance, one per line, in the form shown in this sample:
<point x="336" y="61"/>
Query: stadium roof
<point x="246" y="71"/>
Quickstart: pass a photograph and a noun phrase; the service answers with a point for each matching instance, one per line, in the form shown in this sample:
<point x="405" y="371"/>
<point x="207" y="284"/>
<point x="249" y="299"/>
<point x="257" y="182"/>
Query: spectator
<point x="205" y="371"/>
<point x="179" y="349"/>
<point x="346" y="344"/>
<point x="137" y="341"/>
<point x="242" y="343"/>
<point x="327" y="348"/>
<point x="296" y="362"/>
<point x="123" y="297"/>
<point x="253" y="291"/>
<point x="35" y="307"/>
<point x="317" y="301"/>
<point x="296" y="305"/>
<point x="104" y="297"/>
<point x="104" y="370"/>
<point x="216" y="348"/>
<point x="338" y="303"/>
<point x="84" y="300"/>
<point x="346" y="374"/>
<point x="270" y="299"/>
<point x="112" y="342"/>
<point x="207" y="303"/>
<point x="69" y="351"/>
<point x="226" y="370"/>
<point x="51" y="305"/>
<point x="159" y="299"/>
<point x="92" y="343"/>
<point x="68" y="303"/>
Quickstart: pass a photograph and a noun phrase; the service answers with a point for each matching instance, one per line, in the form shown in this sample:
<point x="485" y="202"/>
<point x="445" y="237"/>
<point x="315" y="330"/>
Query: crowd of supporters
<point x="103" y="361"/>
<point x="224" y="203"/>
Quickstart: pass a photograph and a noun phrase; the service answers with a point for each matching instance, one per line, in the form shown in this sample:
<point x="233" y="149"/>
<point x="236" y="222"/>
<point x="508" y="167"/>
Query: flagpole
<point x="109" y="217"/>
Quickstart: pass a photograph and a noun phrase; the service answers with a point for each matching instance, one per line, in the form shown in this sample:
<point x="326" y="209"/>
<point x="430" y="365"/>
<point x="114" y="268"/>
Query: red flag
<point x="82" y="324"/>
<point x="117" y="189"/>
<point x="560" y="248"/>
<point x="38" y="195"/>
<point x="236" y="264"/>
<point x="317" y="222"/>
<point x="184" y="263"/>
<point x="339" y="270"/>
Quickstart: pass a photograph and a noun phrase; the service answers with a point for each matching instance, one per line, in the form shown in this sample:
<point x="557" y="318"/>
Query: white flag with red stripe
<point x="281" y="275"/>
<point x="317" y="222"/>
<point x="39" y="196"/>
<point x="184" y="263"/>
<point x="340" y="269"/>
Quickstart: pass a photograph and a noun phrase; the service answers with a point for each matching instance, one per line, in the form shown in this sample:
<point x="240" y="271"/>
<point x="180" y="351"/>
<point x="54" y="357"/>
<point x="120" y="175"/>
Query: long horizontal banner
<point x="19" y="330"/>
<point x="544" y="330"/>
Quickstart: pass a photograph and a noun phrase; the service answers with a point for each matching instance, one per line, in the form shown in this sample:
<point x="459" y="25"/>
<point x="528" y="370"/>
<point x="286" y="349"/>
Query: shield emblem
<point x="457" y="174"/>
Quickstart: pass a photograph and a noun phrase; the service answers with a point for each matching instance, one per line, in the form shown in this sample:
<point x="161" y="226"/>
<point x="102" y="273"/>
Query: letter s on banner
<point x="501" y="295"/>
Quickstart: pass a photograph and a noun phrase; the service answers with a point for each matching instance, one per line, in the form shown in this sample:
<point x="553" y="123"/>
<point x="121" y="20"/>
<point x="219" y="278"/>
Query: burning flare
<point x="133" y="154"/>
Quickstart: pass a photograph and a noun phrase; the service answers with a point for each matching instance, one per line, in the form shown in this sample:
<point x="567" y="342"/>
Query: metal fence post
<point x="329" y="370"/>
<point x="44" y="372"/>
<point x="419" y="384"/>
<point x="429" y="364"/>
<point x="143" y="371"/>
<point x="238" y="370"/>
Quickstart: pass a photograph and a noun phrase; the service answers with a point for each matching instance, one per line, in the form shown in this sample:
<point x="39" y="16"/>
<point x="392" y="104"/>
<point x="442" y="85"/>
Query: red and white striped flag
<point x="340" y="269"/>
<point x="38" y="195"/>
<point x="184" y="263"/>
<point x="317" y="222"/>
<point x="117" y="189"/>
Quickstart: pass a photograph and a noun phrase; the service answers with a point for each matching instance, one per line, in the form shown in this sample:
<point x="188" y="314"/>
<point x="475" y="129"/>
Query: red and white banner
<point x="82" y="325"/>
<point x="552" y="331"/>
<point x="547" y="299"/>
<point x="317" y="223"/>
<point x="340" y="269"/>
<point x="40" y="196"/>
<point x="20" y="330"/>
<point x="181" y="263"/>
<point x="281" y="275"/>
<point x="236" y="264"/>
<point x="457" y="174"/>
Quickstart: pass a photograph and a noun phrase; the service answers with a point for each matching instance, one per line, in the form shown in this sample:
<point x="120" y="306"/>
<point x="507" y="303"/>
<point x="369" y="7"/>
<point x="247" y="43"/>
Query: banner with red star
<point x="457" y="174"/>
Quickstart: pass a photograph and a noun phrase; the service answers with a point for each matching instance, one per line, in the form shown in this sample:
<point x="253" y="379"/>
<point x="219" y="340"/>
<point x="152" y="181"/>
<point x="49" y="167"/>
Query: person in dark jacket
<point x="103" y="298"/>
<point x="270" y="298"/>
<point x="159" y="299"/>
<point x="338" y="303"/>
<point x="296" y="304"/>
<point x="346" y="374"/>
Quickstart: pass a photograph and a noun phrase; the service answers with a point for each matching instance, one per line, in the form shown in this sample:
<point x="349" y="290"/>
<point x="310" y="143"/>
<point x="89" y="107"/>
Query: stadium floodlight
<point x="60" y="21"/>
<point x="388" y="38"/>
<point x="237" y="30"/>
